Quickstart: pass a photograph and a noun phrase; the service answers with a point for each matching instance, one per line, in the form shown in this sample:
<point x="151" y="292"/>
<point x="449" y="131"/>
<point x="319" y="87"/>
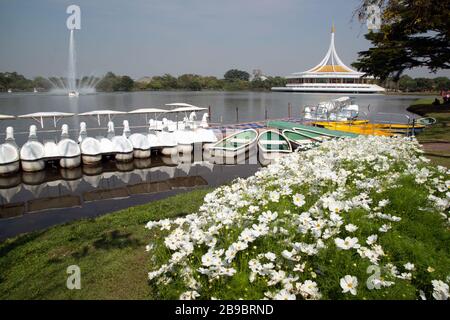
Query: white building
<point x="330" y="75"/>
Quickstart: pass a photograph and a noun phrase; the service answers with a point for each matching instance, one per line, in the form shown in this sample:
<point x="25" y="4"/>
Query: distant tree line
<point x="233" y="80"/>
<point x="408" y="84"/>
<point x="13" y="80"/>
<point x="111" y="82"/>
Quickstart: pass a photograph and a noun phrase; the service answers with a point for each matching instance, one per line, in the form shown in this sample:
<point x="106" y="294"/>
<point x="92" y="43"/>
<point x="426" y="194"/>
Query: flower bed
<point x="362" y="218"/>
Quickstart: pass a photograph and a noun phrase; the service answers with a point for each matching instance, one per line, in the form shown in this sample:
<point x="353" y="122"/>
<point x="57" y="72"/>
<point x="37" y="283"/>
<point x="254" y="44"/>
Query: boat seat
<point x="238" y="140"/>
<point x="273" y="142"/>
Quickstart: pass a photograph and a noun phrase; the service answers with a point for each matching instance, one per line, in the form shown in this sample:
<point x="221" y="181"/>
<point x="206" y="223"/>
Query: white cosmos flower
<point x="440" y="290"/>
<point x="409" y="266"/>
<point x="284" y="295"/>
<point x="347" y="243"/>
<point x="335" y="206"/>
<point x="289" y="255"/>
<point x="349" y="284"/>
<point x="351" y="228"/>
<point x="371" y="239"/>
<point x="383" y="203"/>
<point x="385" y="228"/>
<point x="422" y="295"/>
<point x="274" y="196"/>
<point x="210" y="259"/>
<point x="189" y="295"/>
<point x="300" y="267"/>
<point x="309" y="290"/>
<point x="270" y="256"/>
<point x="232" y="217"/>
<point x="298" y="199"/>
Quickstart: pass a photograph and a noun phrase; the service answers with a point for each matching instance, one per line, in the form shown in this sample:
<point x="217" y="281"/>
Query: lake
<point x="252" y="106"/>
<point x="34" y="201"/>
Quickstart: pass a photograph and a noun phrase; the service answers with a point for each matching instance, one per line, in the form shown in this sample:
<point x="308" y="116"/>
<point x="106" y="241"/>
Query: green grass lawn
<point x="110" y="250"/>
<point x="437" y="132"/>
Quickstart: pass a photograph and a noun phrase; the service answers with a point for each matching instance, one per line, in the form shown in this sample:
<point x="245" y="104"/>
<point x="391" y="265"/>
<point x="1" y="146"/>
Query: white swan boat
<point x="185" y="140"/>
<point x="32" y="153"/>
<point x="167" y="141"/>
<point x="91" y="150"/>
<point x="121" y="146"/>
<point x="68" y="150"/>
<point x="340" y="109"/>
<point x="159" y="135"/>
<point x="141" y="145"/>
<point x="272" y="145"/>
<point x="9" y="154"/>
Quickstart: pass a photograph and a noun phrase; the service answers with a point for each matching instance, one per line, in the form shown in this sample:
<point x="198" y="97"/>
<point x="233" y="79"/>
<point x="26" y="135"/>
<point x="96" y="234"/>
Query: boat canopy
<point x="149" y="110"/>
<point x="40" y="116"/>
<point x="184" y="107"/>
<point x="98" y="113"/>
<point x="6" y="117"/>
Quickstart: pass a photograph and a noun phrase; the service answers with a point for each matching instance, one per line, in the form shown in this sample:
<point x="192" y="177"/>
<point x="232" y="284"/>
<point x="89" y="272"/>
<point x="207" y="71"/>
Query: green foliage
<point x="13" y="80"/>
<point x="414" y="33"/>
<point x="235" y="75"/>
<point x="111" y="82"/>
<point x="196" y="82"/>
<point x="42" y="83"/>
<point x="125" y="84"/>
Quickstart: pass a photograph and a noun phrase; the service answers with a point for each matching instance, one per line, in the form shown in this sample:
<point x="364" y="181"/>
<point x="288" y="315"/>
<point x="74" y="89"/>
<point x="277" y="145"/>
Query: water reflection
<point x="251" y="106"/>
<point x="32" y="201"/>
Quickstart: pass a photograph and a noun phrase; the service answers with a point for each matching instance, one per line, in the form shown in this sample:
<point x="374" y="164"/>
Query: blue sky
<point x="207" y="37"/>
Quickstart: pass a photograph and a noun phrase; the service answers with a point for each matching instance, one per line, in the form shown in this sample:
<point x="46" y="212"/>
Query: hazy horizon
<point x="147" y="38"/>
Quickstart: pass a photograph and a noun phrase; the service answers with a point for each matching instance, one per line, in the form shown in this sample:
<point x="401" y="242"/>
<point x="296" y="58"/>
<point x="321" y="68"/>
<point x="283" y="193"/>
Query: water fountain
<point x="72" y="75"/>
<point x="73" y="23"/>
<point x="71" y="85"/>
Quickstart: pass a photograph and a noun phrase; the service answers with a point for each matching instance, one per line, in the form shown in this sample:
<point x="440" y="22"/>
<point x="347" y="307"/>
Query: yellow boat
<point x="365" y="128"/>
<point x="326" y="123"/>
<point x="395" y="126"/>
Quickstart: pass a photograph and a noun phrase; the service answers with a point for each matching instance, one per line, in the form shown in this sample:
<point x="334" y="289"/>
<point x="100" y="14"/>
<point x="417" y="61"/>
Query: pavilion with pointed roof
<point x="330" y="75"/>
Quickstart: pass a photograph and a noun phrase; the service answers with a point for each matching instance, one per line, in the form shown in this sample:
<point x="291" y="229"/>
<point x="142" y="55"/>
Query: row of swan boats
<point x="271" y="143"/>
<point x="168" y="137"/>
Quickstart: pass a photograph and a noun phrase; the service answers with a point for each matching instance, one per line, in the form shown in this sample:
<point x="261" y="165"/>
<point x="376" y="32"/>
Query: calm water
<point x="251" y="106"/>
<point x="34" y="201"/>
<point x="39" y="200"/>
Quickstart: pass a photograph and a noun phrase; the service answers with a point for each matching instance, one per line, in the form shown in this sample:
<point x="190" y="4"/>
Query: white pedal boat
<point x="32" y="153"/>
<point x="121" y="146"/>
<point x="140" y="143"/>
<point x="69" y="152"/>
<point x="91" y="149"/>
<point x="167" y="142"/>
<point x="9" y="154"/>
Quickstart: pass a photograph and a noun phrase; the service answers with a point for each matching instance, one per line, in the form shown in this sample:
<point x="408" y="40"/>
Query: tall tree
<point x="234" y="74"/>
<point x="414" y="33"/>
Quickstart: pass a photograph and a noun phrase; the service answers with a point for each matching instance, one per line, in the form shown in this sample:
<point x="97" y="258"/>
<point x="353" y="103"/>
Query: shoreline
<point x="390" y="93"/>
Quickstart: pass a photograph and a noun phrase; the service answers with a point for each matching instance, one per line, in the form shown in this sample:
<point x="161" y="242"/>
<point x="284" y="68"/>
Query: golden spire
<point x="333" y="29"/>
